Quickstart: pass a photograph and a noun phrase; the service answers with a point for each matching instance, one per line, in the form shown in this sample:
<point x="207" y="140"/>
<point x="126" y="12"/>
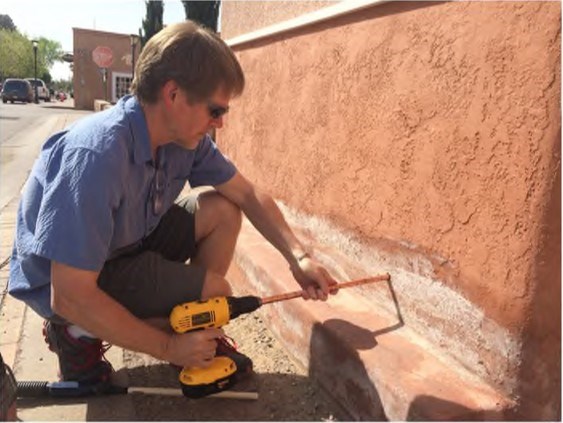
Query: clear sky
<point x="54" y="19"/>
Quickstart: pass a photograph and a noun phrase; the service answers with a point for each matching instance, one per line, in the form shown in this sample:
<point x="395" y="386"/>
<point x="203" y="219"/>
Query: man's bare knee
<point x="216" y="211"/>
<point x="215" y="286"/>
<point x="230" y="211"/>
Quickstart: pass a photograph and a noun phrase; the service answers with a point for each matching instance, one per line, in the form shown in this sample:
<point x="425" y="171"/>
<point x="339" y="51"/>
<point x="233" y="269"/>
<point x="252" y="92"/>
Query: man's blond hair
<point x="194" y="57"/>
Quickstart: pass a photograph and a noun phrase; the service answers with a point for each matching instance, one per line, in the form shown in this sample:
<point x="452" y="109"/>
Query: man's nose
<point x="217" y="123"/>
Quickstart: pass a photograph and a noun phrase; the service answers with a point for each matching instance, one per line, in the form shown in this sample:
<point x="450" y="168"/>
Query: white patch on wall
<point x="440" y="315"/>
<point x="127" y="59"/>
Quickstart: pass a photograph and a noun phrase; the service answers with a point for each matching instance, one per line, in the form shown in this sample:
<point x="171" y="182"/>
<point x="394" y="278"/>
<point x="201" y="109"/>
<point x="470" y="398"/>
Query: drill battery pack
<point x="227" y="368"/>
<point x="200" y="382"/>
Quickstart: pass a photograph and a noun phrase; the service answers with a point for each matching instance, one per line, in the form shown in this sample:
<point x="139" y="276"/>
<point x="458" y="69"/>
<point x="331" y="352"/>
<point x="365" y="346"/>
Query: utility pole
<point x="35" y="43"/>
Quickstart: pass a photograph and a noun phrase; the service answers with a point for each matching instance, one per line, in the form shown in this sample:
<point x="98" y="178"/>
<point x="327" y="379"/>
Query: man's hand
<point x="265" y="215"/>
<point x="314" y="279"/>
<point x="193" y="349"/>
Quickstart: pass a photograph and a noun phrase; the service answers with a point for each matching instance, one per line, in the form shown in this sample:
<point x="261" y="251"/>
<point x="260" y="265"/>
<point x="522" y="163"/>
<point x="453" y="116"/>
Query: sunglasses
<point x="216" y="111"/>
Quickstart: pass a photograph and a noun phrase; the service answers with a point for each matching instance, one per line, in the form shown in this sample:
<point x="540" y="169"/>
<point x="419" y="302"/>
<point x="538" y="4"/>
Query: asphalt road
<point x="23" y="129"/>
<point x="19" y="116"/>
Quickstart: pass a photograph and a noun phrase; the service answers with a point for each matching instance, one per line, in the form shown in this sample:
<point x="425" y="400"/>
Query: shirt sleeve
<point x="75" y="221"/>
<point x="210" y="166"/>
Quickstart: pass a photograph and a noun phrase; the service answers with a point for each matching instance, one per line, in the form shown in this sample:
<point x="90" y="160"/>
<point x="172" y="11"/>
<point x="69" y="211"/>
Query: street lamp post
<point x="133" y="39"/>
<point x="35" y="43"/>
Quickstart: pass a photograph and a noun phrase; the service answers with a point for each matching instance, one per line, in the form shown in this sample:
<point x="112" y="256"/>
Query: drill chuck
<point x="242" y="305"/>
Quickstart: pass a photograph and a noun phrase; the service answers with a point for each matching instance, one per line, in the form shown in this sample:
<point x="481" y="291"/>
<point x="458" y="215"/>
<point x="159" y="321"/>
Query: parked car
<point x="42" y="90"/>
<point x="17" y="90"/>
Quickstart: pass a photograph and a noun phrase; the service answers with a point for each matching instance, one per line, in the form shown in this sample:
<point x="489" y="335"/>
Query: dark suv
<point x="17" y="90"/>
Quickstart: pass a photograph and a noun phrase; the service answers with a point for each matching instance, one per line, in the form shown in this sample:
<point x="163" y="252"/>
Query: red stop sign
<point x="102" y="56"/>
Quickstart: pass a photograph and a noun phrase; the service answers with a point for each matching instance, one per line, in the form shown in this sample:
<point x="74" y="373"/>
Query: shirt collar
<point x="138" y="125"/>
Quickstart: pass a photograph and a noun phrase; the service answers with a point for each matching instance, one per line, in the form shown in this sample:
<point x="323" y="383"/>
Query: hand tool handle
<point x="178" y="393"/>
<point x="357" y="282"/>
<point x="69" y="389"/>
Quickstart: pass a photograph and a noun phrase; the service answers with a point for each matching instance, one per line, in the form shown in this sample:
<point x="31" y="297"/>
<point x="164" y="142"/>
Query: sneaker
<point x="81" y="360"/>
<point x="226" y="346"/>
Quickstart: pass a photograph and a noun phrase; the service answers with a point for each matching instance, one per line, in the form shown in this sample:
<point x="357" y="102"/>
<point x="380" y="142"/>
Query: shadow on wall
<point x="443" y="410"/>
<point x="334" y="359"/>
<point x="336" y="362"/>
<point x="344" y="372"/>
<point x="332" y="362"/>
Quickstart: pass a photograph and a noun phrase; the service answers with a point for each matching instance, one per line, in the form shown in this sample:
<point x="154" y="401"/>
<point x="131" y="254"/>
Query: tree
<point x="46" y="77"/>
<point x="17" y="57"/>
<point x="49" y="52"/>
<point x="7" y="23"/>
<point x="153" y="20"/>
<point x="62" y="85"/>
<point x="204" y="12"/>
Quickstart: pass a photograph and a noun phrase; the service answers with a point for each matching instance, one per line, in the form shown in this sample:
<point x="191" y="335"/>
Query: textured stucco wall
<point x="432" y="125"/>
<point x="245" y="16"/>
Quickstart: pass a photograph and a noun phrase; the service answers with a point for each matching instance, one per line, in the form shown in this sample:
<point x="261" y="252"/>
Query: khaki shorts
<point x="152" y="277"/>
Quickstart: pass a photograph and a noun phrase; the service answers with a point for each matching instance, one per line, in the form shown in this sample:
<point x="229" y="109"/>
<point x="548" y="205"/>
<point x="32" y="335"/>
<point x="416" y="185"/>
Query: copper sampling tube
<point x="357" y="282"/>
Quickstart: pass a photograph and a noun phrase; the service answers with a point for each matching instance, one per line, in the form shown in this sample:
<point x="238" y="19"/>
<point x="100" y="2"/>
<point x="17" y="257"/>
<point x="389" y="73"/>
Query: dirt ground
<point x="285" y="391"/>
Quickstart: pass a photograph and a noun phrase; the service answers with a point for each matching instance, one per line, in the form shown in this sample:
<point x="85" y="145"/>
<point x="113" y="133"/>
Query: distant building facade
<point x="103" y="66"/>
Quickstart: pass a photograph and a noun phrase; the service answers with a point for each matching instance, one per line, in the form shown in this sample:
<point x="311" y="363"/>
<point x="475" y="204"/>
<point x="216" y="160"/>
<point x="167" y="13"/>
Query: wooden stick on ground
<point x="178" y="393"/>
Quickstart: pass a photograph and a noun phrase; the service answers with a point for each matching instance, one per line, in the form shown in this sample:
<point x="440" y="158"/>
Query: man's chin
<point x="189" y="144"/>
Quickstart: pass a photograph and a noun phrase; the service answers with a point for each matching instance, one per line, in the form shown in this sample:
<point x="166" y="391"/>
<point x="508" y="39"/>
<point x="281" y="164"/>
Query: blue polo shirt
<point x="90" y="193"/>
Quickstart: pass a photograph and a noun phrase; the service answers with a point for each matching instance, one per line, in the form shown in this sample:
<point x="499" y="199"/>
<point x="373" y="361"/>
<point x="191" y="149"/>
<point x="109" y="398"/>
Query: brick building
<point x="103" y="65"/>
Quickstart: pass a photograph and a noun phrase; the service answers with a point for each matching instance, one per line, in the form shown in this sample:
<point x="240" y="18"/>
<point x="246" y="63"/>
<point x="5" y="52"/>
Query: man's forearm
<point x="265" y="215"/>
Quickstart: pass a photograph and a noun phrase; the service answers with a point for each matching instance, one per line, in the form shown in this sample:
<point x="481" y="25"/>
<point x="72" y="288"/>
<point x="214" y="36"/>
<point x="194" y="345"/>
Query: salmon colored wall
<point x="247" y="16"/>
<point x="432" y="124"/>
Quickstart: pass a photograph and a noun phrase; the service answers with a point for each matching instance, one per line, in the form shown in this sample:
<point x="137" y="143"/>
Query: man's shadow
<point x="443" y="410"/>
<point x="335" y="360"/>
<point x="337" y="364"/>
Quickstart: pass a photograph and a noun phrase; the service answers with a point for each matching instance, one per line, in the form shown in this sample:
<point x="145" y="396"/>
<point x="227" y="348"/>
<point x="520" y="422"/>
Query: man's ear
<point x="169" y="92"/>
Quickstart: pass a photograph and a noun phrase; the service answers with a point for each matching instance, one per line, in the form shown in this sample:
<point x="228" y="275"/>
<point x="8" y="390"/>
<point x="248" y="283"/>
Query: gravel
<point x="286" y="393"/>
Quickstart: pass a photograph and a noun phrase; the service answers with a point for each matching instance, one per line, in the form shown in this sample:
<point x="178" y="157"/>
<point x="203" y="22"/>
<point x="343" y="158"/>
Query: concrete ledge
<point x="373" y="364"/>
<point x="100" y="105"/>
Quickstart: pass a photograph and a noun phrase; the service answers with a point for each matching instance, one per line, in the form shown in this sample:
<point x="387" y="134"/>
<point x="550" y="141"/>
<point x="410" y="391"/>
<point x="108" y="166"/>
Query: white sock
<point x="77" y="332"/>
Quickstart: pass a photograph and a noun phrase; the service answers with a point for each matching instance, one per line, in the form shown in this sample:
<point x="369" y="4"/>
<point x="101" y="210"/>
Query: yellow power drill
<point x="215" y="312"/>
<point x="195" y="382"/>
